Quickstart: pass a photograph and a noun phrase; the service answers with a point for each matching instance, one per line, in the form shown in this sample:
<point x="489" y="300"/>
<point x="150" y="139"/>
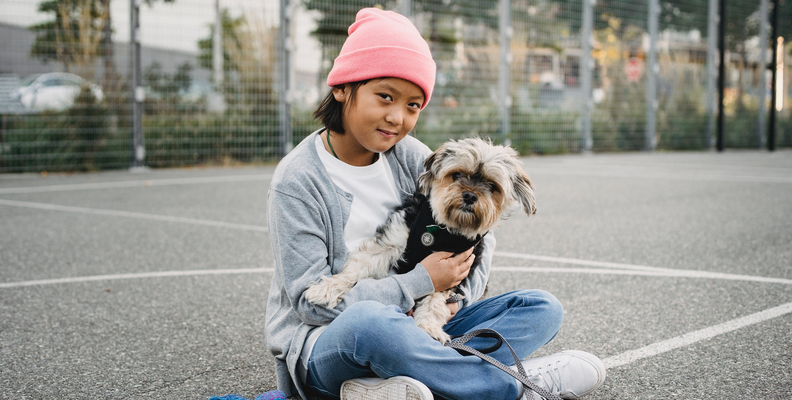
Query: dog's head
<point x="470" y="183"/>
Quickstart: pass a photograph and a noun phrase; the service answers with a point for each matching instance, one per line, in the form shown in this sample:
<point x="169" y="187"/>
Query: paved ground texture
<point x="675" y="268"/>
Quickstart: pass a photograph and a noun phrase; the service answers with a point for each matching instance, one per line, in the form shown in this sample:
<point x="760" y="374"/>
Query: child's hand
<point x="448" y="270"/>
<point x="454" y="307"/>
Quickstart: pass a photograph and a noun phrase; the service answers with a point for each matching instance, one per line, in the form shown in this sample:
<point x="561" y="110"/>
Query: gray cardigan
<point x="307" y="214"/>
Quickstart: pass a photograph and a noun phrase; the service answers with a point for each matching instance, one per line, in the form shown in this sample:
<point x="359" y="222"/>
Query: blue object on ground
<point x="271" y="395"/>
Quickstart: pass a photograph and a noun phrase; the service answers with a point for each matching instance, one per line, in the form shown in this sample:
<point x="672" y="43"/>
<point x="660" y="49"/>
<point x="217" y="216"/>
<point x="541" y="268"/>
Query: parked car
<point x="53" y="91"/>
<point x="196" y="92"/>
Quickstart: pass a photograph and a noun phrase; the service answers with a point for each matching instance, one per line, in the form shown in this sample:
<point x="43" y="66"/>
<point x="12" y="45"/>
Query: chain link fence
<point x="546" y="76"/>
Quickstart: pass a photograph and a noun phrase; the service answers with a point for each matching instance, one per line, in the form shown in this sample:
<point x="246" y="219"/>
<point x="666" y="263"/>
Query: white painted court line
<point x="137" y="183"/>
<point x="258" y="270"/>
<point x="696" y="336"/>
<point x="128" y="214"/>
<point x="621" y="269"/>
<point x="578" y="261"/>
<point x="669" y="274"/>
<point x="612" y="173"/>
<point x="142" y="275"/>
<point x="671" y="167"/>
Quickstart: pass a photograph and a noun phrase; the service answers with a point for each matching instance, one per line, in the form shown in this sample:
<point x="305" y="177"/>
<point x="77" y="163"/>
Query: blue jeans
<point x="371" y="339"/>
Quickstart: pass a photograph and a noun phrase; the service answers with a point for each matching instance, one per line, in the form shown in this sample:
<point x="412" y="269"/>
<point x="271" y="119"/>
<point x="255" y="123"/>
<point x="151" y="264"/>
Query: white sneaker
<point x="396" y="388"/>
<point x="569" y="374"/>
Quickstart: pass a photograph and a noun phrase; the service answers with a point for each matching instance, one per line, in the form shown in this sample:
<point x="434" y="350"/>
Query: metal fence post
<point x="284" y="74"/>
<point x="651" y="77"/>
<point x="138" y="92"/>
<point x="762" y="117"/>
<point x="504" y="78"/>
<point x="712" y="74"/>
<point x="405" y="8"/>
<point x="719" y="142"/>
<point x="586" y="68"/>
<point x="774" y="65"/>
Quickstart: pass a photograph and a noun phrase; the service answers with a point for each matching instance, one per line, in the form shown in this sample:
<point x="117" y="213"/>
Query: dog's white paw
<point x="326" y="293"/>
<point x="432" y="323"/>
<point x="431" y="314"/>
<point x="437" y="333"/>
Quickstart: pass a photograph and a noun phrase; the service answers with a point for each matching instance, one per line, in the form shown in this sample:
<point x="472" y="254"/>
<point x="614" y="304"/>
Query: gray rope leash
<point x="459" y="345"/>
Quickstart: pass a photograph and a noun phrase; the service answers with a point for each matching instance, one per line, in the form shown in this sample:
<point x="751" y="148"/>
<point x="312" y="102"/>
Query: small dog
<point x="467" y="187"/>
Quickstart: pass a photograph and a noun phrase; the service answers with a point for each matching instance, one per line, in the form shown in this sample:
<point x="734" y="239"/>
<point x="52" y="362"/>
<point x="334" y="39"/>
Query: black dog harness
<point x="427" y="237"/>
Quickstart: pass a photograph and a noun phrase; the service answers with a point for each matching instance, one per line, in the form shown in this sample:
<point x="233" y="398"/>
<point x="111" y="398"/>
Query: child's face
<point x="383" y="112"/>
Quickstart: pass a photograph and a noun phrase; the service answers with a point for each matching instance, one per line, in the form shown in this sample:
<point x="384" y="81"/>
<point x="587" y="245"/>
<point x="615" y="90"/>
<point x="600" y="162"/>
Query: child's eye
<point x="386" y="96"/>
<point x="415" y="105"/>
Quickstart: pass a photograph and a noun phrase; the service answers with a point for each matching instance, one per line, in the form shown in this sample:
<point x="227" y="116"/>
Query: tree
<point x="684" y="15"/>
<point x="332" y="25"/>
<point x="230" y="35"/>
<point x="79" y="33"/>
<point x="74" y="36"/>
<point x="249" y="52"/>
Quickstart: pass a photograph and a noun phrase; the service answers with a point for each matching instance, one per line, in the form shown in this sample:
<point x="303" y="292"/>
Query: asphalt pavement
<point x="674" y="268"/>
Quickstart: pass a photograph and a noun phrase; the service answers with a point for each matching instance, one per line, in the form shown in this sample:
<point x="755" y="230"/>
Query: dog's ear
<point x="427" y="177"/>
<point x="432" y="166"/>
<point x="523" y="192"/>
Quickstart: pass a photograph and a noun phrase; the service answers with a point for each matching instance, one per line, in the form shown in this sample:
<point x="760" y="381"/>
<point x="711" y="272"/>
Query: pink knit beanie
<point x="384" y="44"/>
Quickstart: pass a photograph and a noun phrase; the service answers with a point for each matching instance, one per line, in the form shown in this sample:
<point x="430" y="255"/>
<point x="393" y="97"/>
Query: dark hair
<point x="331" y="112"/>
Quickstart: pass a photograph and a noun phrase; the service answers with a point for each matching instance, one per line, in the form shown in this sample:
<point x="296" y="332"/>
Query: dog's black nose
<point x="469" y="197"/>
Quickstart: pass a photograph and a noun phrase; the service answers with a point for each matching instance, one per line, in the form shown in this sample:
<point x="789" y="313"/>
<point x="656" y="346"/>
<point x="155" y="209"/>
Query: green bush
<point x="88" y="137"/>
<point x="784" y="130"/>
<point x="80" y="138"/>
<point x="172" y="140"/>
<point x="545" y="132"/>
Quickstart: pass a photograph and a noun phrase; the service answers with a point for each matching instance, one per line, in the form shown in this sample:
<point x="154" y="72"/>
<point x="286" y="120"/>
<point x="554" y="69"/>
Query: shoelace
<point x="550" y="374"/>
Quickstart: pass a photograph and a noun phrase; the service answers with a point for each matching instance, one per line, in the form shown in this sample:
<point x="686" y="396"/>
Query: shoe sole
<point x="595" y="362"/>
<point x="396" y="388"/>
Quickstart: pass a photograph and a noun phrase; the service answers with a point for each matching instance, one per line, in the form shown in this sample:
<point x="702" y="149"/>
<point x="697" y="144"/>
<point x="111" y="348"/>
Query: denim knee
<point x="548" y="305"/>
<point x="551" y="303"/>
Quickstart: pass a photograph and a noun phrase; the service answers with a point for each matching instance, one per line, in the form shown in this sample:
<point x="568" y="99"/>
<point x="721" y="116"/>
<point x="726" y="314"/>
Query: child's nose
<point x="394" y="116"/>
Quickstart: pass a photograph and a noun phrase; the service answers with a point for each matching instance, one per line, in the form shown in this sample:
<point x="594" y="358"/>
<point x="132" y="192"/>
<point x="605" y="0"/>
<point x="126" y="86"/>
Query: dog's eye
<point x="457" y="176"/>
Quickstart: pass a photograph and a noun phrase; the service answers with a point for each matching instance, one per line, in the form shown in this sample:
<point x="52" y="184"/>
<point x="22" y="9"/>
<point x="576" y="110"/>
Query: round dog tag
<point x="427" y="239"/>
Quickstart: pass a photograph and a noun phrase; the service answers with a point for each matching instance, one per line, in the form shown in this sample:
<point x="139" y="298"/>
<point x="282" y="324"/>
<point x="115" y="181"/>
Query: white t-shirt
<point x="374" y="191"/>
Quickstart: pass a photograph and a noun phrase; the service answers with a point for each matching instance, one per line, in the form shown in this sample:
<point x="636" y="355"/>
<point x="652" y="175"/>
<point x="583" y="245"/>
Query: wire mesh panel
<point x="233" y="118"/>
<point x="682" y="93"/>
<point x="463" y="36"/>
<point x="61" y="97"/>
<point x="78" y="113"/>
<point x="516" y="74"/>
<point x="620" y="99"/>
<point x="546" y="72"/>
<point x="546" y="67"/>
<point x="743" y="72"/>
